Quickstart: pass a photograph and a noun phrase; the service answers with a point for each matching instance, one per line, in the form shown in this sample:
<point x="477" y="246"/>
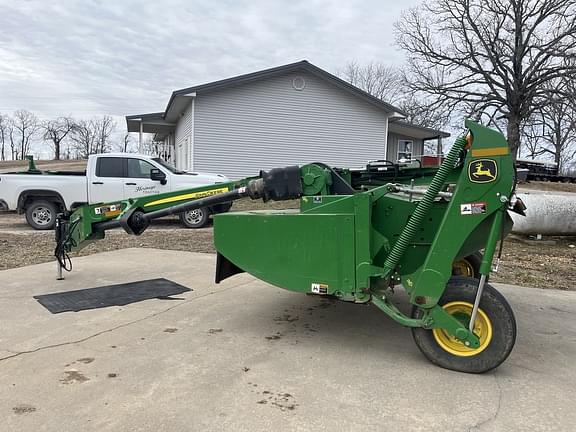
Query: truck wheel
<point x="195" y="218"/>
<point x="495" y="326"/>
<point x="468" y="266"/>
<point x="41" y="215"/>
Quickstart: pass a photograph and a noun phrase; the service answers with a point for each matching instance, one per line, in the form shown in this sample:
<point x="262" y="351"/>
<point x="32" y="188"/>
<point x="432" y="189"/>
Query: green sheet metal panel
<point x="297" y="251"/>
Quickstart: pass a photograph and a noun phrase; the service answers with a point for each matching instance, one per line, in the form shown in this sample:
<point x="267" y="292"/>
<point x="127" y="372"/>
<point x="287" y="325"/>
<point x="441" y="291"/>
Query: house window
<point x="405" y="149"/>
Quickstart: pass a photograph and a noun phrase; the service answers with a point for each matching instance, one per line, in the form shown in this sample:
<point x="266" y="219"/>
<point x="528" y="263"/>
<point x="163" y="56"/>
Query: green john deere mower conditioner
<point x="355" y="238"/>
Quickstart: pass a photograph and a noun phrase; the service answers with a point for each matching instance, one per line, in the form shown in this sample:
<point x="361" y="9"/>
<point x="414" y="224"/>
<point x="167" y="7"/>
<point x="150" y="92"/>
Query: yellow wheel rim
<point x="482" y="329"/>
<point x="462" y="268"/>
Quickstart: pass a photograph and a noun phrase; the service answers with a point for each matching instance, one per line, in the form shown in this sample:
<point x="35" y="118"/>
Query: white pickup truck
<point x="108" y="177"/>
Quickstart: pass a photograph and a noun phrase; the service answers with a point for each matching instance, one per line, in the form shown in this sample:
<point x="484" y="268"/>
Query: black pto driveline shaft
<point x="142" y="217"/>
<point x="221" y="198"/>
<point x="278" y="184"/>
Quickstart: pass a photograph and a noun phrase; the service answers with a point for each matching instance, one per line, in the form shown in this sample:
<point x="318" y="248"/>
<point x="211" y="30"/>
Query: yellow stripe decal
<point x="186" y="196"/>
<point x="493" y="151"/>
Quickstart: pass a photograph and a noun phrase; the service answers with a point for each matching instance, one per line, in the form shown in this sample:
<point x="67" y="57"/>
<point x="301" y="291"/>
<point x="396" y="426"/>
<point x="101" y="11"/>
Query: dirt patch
<point x="74" y="377"/>
<point x="22" y="249"/>
<point x="11" y="221"/>
<point x="536" y="265"/>
<point x="23" y="409"/>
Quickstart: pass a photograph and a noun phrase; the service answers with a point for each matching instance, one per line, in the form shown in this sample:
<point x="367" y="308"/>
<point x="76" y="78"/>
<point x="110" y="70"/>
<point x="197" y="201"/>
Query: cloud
<point x="97" y="57"/>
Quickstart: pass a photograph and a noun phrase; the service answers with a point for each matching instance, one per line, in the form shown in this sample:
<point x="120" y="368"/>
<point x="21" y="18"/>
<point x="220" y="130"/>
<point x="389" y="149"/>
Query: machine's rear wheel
<point x="495" y="326"/>
<point x="468" y="266"/>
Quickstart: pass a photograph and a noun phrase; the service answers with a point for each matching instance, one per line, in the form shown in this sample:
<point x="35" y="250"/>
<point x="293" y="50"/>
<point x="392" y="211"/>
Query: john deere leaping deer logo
<point x="482" y="171"/>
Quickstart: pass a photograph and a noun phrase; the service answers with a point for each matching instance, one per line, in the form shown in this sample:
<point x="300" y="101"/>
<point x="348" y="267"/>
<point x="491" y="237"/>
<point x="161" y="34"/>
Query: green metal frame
<point x="355" y="247"/>
<point x="82" y="221"/>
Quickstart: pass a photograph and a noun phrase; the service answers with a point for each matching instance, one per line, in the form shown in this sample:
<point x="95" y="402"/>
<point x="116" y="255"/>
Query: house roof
<point x="402" y="127"/>
<point x="179" y="99"/>
<point x="174" y="107"/>
<point x="163" y="122"/>
<point x="150" y="123"/>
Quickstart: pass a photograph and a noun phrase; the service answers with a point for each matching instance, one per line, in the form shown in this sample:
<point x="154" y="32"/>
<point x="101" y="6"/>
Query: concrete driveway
<point x="244" y="356"/>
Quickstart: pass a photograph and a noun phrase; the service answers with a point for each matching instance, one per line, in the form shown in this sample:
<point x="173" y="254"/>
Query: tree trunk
<point x="56" y="150"/>
<point x="22" y="146"/>
<point x="513" y="131"/>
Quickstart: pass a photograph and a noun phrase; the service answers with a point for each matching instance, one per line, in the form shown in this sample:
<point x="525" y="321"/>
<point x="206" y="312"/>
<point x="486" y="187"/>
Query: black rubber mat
<point x="110" y="295"/>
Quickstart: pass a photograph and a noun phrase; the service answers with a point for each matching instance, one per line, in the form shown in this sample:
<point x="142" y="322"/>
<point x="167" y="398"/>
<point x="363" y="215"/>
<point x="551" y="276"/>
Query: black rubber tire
<point x="195" y="218"/>
<point x="48" y="217"/>
<point x="474" y="260"/>
<point x="498" y="311"/>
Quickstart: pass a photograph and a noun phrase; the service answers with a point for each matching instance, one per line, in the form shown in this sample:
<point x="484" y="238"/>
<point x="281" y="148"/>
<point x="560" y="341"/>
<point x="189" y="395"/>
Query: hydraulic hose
<point x="423" y="207"/>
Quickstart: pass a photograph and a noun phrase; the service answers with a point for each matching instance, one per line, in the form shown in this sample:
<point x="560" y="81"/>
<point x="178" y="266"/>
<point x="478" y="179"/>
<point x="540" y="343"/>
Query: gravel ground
<point x="526" y="263"/>
<point x="548" y="186"/>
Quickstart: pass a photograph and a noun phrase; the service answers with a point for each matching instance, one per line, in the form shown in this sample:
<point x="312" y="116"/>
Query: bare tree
<point x="126" y="146"/>
<point x="4" y="131"/>
<point x="12" y="138"/>
<point x="556" y="124"/>
<point x="498" y="55"/>
<point x="83" y="137"/>
<point x="25" y="127"/>
<point x="378" y="79"/>
<point x="532" y="134"/>
<point x="105" y="126"/>
<point x="92" y="136"/>
<point x="423" y="112"/>
<point x="55" y="131"/>
<point x="387" y="83"/>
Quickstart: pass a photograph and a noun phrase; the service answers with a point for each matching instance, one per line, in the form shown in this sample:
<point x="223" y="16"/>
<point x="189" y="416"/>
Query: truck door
<point x="107" y="183"/>
<point x="138" y="183"/>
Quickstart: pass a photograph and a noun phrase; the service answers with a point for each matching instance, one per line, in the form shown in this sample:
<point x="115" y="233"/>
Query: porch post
<point x="439" y="151"/>
<point x="140" y="136"/>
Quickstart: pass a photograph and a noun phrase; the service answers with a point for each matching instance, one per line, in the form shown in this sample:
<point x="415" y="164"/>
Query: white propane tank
<point x="547" y="213"/>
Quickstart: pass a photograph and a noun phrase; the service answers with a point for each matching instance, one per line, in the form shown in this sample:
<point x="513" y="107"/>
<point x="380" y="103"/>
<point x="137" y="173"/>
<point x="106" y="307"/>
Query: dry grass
<point x="53" y="165"/>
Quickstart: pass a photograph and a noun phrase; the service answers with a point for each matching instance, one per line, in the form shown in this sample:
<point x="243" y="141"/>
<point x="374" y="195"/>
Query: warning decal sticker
<point x="107" y="210"/>
<point x="318" y="288"/>
<point x="473" y="208"/>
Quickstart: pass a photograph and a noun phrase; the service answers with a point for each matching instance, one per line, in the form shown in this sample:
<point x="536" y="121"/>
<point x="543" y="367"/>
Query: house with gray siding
<point x="288" y="115"/>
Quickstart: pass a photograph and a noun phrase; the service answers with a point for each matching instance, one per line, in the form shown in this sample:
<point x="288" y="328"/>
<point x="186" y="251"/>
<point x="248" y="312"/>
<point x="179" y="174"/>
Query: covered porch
<point x="153" y="123"/>
<point x="408" y="142"/>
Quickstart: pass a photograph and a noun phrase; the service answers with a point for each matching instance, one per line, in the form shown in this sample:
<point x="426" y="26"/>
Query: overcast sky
<point x="94" y="57"/>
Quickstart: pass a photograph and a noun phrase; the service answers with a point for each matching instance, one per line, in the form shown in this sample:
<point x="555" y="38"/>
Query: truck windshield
<point x="167" y="166"/>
